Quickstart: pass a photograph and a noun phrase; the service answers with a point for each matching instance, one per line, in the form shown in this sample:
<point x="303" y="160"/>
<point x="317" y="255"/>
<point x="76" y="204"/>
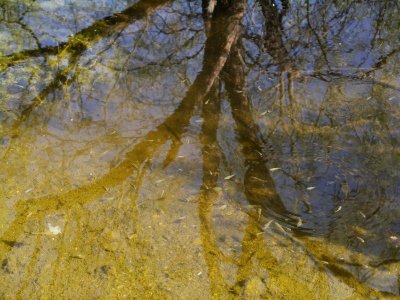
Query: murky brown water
<point x="150" y="150"/>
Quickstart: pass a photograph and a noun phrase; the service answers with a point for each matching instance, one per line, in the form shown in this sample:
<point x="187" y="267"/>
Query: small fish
<point x="267" y="225"/>
<point x="274" y="169"/>
<point x="360" y="239"/>
<point x="79" y="256"/>
<point x="279" y="226"/>
<point x="229" y="177"/>
<point x="258" y="179"/>
<point x="338" y="209"/>
<point x="13" y="243"/>
<point x="218" y="189"/>
<point x="310" y="188"/>
<point x="344" y="188"/>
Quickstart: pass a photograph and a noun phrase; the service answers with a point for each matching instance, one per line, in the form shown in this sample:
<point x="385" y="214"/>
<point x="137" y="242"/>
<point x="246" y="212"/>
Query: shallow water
<point x="149" y="150"/>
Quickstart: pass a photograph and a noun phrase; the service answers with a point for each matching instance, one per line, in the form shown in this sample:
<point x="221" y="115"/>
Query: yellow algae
<point x="199" y="150"/>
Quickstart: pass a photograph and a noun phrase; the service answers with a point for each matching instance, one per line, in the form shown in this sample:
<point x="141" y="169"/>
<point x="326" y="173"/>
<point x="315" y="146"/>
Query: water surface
<point x="154" y="150"/>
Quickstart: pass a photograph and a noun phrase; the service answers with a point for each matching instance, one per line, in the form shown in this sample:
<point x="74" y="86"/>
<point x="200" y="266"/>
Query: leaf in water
<point x="299" y="222"/>
<point x="274" y="169"/>
<point x="229" y="177"/>
<point x="394" y="238"/>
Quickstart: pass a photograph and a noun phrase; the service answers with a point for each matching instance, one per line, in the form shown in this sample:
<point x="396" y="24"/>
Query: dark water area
<point x="162" y="149"/>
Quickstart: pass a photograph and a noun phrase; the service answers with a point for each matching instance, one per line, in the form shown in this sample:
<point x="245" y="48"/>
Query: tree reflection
<point x="312" y="139"/>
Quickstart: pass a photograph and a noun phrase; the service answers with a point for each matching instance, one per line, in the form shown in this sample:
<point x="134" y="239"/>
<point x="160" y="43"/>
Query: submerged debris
<point x="55" y="230"/>
<point x="299" y="222"/>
